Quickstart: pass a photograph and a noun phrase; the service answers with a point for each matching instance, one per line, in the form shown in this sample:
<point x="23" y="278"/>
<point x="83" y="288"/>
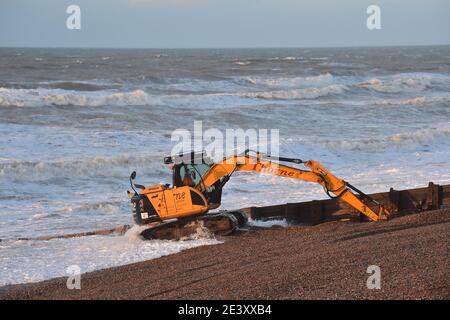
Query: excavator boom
<point x="316" y="174"/>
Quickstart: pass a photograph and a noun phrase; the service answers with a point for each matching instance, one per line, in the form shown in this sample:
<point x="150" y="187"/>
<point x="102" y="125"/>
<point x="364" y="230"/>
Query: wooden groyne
<point x="399" y="202"/>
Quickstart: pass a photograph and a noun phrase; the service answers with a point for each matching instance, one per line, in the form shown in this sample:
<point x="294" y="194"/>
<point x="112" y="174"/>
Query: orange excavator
<point x="171" y="212"/>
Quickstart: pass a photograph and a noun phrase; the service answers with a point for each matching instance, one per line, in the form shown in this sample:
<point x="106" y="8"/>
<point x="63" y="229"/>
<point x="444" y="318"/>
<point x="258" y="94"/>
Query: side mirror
<point x="132" y="177"/>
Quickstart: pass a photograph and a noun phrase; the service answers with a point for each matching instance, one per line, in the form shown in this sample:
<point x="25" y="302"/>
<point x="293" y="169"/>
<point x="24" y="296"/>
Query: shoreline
<point x="326" y="261"/>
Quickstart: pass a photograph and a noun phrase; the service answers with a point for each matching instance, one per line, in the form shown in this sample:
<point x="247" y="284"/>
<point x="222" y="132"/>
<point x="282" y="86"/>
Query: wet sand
<point x="327" y="261"/>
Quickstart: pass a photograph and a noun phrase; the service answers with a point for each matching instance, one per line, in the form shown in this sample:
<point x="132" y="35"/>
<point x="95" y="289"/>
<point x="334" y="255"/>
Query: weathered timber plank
<point x="398" y="201"/>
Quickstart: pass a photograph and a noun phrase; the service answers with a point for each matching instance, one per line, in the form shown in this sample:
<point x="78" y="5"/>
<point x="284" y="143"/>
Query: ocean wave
<point x="306" y="93"/>
<point x="413" y="82"/>
<point x="236" y="98"/>
<point x="293" y="82"/>
<point x="290" y="58"/>
<point x="160" y="55"/>
<point x="348" y="65"/>
<point x="106" y="207"/>
<point x="398" y="140"/>
<point x="39" y="216"/>
<point x="240" y="98"/>
<point x="249" y="60"/>
<point x="242" y="63"/>
<point x="82" y="85"/>
<point x="78" y="86"/>
<point x="112" y="166"/>
<point x="60" y="97"/>
<point x="416" y="101"/>
<point x="201" y="85"/>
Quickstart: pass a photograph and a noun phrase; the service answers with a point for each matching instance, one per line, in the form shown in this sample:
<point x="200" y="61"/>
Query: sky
<point x="223" y="23"/>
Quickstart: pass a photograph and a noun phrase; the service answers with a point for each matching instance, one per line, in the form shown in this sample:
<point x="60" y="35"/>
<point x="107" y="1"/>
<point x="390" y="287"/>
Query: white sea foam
<point x="110" y="207"/>
<point x="416" y="101"/>
<point x="292" y="82"/>
<point x="59" y="97"/>
<point x="289" y="58"/>
<point x="251" y="98"/>
<point x="202" y="85"/>
<point x="408" y="82"/>
<point x="268" y="223"/>
<point x="117" y="165"/>
<point x="242" y="63"/>
<point x="398" y="140"/>
<point x="305" y="93"/>
<point x="89" y="253"/>
<point x="335" y="64"/>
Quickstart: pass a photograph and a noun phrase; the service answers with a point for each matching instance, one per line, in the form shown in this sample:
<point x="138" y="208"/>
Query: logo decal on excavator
<point x="276" y="171"/>
<point x="179" y="196"/>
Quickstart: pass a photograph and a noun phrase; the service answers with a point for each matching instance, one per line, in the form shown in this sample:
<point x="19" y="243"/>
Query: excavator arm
<point x="316" y="174"/>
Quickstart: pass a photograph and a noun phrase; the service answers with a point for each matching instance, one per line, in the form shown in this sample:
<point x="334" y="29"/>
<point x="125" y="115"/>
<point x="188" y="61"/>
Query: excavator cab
<point x="188" y="170"/>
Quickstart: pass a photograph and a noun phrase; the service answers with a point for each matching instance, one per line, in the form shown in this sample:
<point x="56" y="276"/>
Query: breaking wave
<point x="113" y="166"/>
<point x="348" y="65"/>
<point x="293" y="82"/>
<point x="105" y="207"/>
<point x="78" y="86"/>
<point x="170" y="92"/>
<point x="242" y="63"/>
<point x="399" y="140"/>
<point x="306" y="93"/>
<point x="414" y="82"/>
<point x="416" y="101"/>
<point x="224" y="99"/>
<point x="60" y="97"/>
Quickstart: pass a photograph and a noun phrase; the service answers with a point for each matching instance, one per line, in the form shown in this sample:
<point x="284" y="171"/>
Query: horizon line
<point x="226" y="48"/>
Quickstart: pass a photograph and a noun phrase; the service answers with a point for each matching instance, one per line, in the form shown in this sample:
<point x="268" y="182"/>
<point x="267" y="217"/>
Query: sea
<point x="74" y="123"/>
